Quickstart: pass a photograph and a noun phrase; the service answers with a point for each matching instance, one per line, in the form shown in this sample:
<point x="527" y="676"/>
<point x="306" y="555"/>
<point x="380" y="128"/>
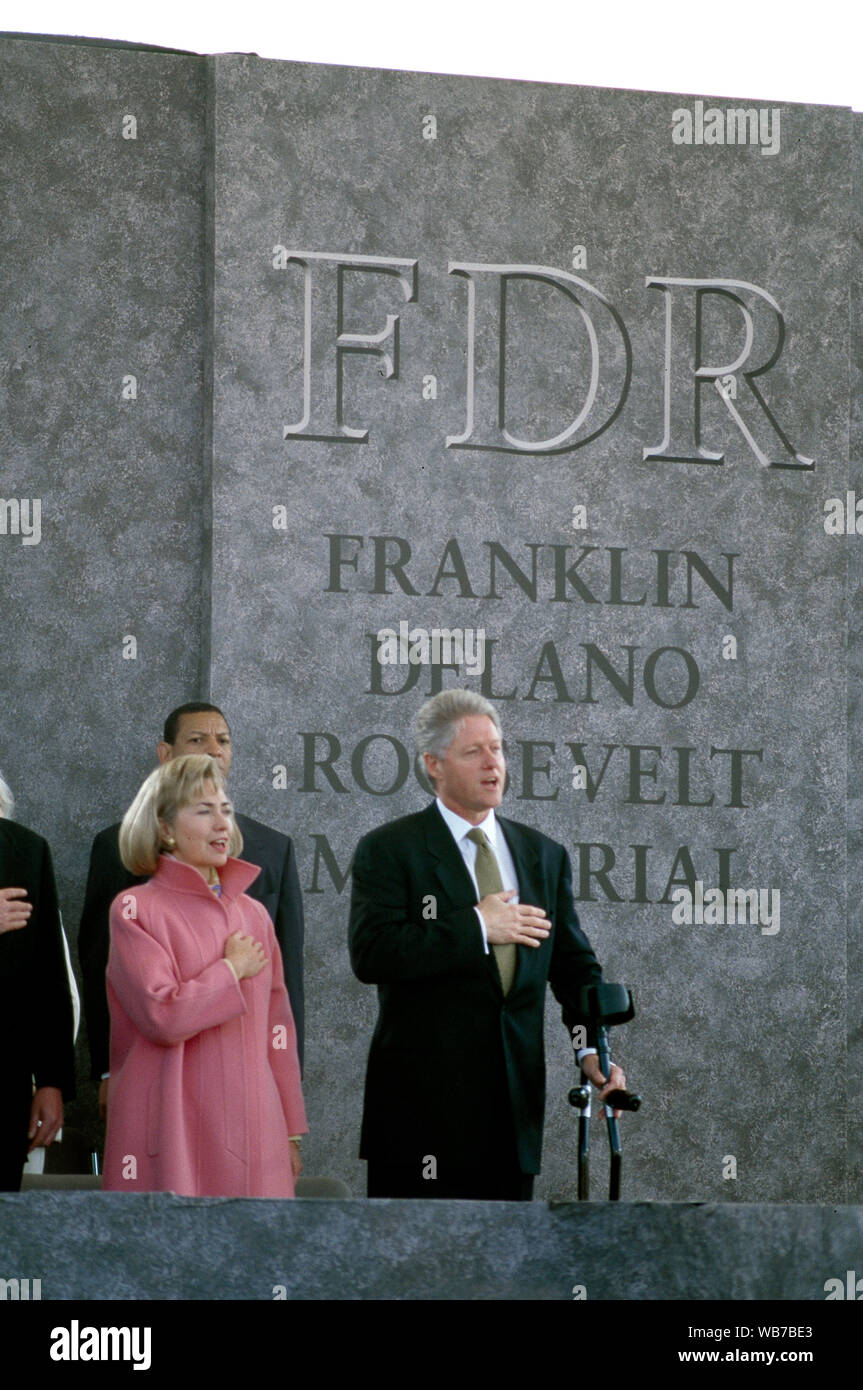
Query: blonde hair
<point x="170" y="787"/>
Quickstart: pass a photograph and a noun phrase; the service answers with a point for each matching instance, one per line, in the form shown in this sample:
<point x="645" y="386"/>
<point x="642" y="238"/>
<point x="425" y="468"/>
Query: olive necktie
<point x="488" y="880"/>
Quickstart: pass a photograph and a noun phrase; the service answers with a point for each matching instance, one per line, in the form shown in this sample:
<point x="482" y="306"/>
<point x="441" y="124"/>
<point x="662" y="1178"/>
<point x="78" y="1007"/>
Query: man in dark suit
<point x="460" y="917"/>
<point x="192" y="728"/>
<point x="36" y="1028"/>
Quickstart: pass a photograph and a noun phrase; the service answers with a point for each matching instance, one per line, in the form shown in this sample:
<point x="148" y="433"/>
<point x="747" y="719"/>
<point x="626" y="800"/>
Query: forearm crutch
<point x="605" y="1006"/>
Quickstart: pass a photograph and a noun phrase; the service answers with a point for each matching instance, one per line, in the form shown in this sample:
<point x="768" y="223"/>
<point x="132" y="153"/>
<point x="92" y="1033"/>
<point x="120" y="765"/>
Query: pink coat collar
<point x="235" y="877"/>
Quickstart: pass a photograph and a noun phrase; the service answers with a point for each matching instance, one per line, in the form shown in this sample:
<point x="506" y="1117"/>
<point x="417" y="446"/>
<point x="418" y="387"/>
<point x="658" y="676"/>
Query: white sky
<point x="765" y="50"/>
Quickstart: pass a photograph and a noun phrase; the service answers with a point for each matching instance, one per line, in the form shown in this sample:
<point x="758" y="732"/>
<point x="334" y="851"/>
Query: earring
<point x="170" y="841"/>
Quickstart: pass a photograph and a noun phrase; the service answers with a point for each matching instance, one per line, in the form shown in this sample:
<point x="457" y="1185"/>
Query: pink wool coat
<point x="205" y="1082"/>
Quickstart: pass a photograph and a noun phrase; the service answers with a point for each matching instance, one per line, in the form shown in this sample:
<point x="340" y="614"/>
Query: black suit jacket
<point x="36" y="1020"/>
<point x="447" y="1039"/>
<point x="277" y="887"/>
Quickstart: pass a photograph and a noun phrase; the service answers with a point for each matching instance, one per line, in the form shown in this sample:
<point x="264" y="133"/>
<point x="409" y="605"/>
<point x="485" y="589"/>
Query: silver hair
<point x="438" y="720"/>
<point x="7" y="800"/>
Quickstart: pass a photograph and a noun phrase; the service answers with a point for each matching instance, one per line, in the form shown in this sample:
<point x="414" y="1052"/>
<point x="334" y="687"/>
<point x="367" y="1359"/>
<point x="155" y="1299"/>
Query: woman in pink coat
<point x="205" y="1095"/>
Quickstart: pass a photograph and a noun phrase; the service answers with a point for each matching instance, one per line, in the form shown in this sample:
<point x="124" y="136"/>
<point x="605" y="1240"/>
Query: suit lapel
<point x="449" y="865"/>
<point x="452" y="874"/>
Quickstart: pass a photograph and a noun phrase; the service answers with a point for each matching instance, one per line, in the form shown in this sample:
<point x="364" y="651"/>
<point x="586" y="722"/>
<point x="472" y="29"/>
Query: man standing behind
<point x="460" y="917"/>
<point x="36" y="1029"/>
<point x="192" y="728"/>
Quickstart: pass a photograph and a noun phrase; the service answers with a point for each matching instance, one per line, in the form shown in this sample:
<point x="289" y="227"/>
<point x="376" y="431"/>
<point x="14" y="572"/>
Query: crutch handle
<point x="621" y="1100"/>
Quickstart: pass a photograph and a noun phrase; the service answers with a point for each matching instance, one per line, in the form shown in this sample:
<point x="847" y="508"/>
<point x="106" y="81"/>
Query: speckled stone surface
<point x="158" y="522"/>
<point x="855" y="701"/>
<point x="101" y="247"/>
<point x="164" y="1247"/>
<point x="735" y="1025"/>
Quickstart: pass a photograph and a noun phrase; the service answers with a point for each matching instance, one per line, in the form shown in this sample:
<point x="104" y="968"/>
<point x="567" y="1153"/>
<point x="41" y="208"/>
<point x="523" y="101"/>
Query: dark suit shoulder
<point x="544" y="844"/>
<point x="110" y="835"/>
<point x="105" y="852"/>
<point x="20" y="839"/>
<point x="403" y="828"/>
<point x="107" y="875"/>
<point x="261" y="834"/>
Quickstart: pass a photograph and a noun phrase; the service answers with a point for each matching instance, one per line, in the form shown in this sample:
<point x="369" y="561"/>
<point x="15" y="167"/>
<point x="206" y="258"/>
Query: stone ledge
<point x="156" y="1246"/>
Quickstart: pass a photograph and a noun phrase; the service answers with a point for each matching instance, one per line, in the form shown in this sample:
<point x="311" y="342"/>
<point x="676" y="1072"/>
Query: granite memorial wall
<point x="339" y="387"/>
